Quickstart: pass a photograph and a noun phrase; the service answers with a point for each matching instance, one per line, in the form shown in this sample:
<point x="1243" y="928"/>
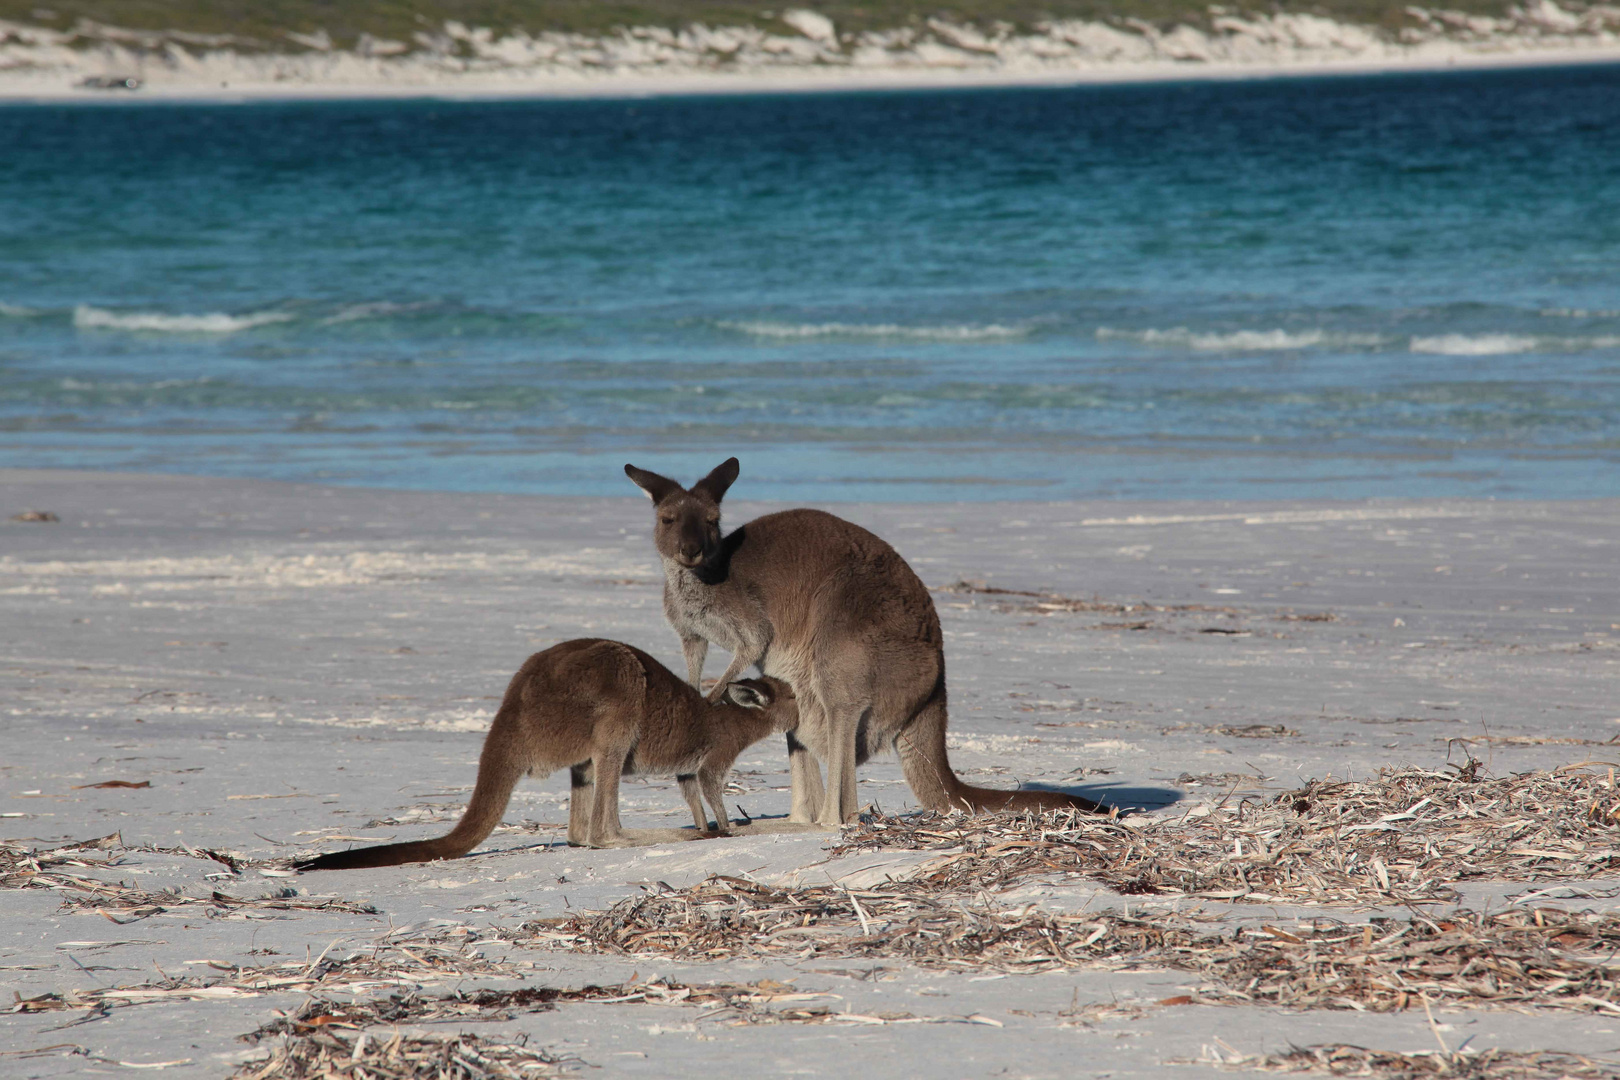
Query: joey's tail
<point x="499" y="769"/>
<point x="928" y="770"/>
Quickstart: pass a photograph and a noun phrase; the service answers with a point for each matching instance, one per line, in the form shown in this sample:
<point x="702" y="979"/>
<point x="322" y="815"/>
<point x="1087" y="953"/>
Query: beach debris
<point x="38" y="516"/>
<point x="407" y="969"/>
<point x="1339" y="1059"/>
<point x="114" y="784"/>
<point x="1407" y="836"/>
<point x="1045" y="603"/>
<point x="384" y="966"/>
<point x="398" y="1056"/>
<point x="1530" y="740"/>
<point x="764" y="1002"/>
<point x="1140" y="614"/>
<point x="1518" y="957"/>
<point x="76" y="1050"/>
<point x="1256" y="731"/>
<point x="58" y="868"/>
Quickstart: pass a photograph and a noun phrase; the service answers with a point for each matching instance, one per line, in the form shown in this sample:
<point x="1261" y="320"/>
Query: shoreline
<point x="515" y="85"/>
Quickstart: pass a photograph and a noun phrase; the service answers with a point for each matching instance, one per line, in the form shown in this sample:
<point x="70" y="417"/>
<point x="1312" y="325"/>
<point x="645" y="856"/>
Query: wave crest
<point x="1240" y="340"/>
<point x="1473" y="344"/>
<point x="86" y="317"/>
<point x="803" y="331"/>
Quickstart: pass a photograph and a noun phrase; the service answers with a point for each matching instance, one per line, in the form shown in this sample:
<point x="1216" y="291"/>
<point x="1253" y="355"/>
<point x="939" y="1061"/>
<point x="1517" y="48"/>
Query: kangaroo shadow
<point x="761" y="825"/>
<point x="1126" y="798"/>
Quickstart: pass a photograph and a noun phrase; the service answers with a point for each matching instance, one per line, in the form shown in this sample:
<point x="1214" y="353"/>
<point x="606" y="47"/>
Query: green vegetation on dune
<point x="267" y="22"/>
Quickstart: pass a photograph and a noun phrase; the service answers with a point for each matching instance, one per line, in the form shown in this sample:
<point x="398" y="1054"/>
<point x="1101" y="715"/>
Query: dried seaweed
<point x="1545" y="958"/>
<point x="1048" y="603"/>
<point x="1337" y="1059"/>
<point x="1034" y="602"/>
<point x="328" y="1055"/>
<point x="51" y="868"/>
<point x="389" y="966"/>
<point x="1406" y="837"/>
<point x="764" y="1002"/>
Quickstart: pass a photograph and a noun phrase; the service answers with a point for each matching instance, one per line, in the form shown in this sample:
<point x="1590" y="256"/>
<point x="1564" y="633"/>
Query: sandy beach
<point x="641" y="84"/>
<point x="90" y="61"/>
<point x="283" y="669"/>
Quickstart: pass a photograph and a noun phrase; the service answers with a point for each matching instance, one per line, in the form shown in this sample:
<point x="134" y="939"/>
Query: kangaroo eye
<point x="666" y="520"/>
<point x="714" y="521"/>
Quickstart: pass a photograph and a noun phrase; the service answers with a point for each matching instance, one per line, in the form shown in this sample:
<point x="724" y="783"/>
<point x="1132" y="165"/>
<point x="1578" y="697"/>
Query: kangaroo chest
<point x="721" y="614"/>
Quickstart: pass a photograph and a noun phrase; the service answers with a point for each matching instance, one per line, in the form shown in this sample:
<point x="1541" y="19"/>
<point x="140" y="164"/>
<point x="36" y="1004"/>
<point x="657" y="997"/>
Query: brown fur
<point x="601" y="709"/>
<point x="835" y="612"/>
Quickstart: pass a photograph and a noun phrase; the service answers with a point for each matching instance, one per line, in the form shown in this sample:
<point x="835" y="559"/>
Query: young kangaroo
<point x="835" y="612"/>
<point x="603" y="709"/>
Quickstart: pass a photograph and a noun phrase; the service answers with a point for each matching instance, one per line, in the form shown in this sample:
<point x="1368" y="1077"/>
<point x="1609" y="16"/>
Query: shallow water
<point x="1398" y="285"/>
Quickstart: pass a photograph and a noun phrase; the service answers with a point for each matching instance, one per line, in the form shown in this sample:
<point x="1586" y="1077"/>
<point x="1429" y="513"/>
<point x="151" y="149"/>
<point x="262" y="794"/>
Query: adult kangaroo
<point x="601" y="708"/>
<point x="835" y="612"/>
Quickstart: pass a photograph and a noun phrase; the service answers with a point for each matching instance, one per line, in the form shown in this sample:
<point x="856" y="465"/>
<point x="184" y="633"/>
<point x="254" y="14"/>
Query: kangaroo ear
<point x="657" y="487"/>
<point x="750" y="694"/>
<point x="719" y="481"/>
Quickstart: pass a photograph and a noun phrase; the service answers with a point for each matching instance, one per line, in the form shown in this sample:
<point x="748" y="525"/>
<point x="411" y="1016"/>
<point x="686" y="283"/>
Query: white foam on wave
<point x="1473" y="344"/>
<point x="1241" y="340"/>
<point x="17" y="311"/>
<point x="93" y="318"/>
<point x="803" y="331"/>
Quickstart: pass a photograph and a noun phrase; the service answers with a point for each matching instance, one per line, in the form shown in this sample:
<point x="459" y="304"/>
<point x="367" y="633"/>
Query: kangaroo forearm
<point x="739" y="663"/>
<point x="696" y="650"/>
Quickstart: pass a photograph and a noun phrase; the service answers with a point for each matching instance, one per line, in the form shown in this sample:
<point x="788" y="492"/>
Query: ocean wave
<point x="1241" y="340"/>
<point x="1473" y="344"/>
<point x="17" y="311"/>
<point x="801" y="331"/>
<point x="1579" y="313"/>
<point x="93" y="318"/>
<point x="374" y="310"/>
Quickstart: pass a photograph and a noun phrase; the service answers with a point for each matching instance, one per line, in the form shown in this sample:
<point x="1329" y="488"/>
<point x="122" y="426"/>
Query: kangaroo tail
<point x="927" y="768"/>
<point x="499" y="769"/>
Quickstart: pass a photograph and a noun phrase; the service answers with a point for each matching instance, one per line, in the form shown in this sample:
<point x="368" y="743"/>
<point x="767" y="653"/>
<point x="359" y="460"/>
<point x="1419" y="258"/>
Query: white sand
<point x="284" y="663"/>
<point x="470" y="62"/>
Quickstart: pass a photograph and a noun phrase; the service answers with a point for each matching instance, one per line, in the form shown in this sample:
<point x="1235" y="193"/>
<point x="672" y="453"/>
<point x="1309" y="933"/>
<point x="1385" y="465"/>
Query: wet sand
<point x="286" y="665"/>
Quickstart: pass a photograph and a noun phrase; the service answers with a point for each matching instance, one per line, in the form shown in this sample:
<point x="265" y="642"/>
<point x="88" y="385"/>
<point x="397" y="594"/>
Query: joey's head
<point x="687" y="525"/>
<point x="772" y="696"/>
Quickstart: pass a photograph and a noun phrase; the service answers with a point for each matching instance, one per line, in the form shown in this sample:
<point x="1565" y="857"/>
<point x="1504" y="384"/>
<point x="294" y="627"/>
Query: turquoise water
<point x="1400" y="285"/>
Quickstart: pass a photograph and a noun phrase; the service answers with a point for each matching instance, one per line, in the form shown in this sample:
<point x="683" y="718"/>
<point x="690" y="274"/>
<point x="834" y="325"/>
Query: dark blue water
<point x="1340" y="287"/>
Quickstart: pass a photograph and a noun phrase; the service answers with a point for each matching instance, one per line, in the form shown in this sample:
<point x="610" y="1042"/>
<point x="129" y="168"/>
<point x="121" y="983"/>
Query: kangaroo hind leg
<point x="843" y="723"/>
<point x="693" y="795"/>
<point x="806" y="772"/>
<point x="581" y="791"/>
<point x="607" y="763"/>
<point x="714" y="783"/>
